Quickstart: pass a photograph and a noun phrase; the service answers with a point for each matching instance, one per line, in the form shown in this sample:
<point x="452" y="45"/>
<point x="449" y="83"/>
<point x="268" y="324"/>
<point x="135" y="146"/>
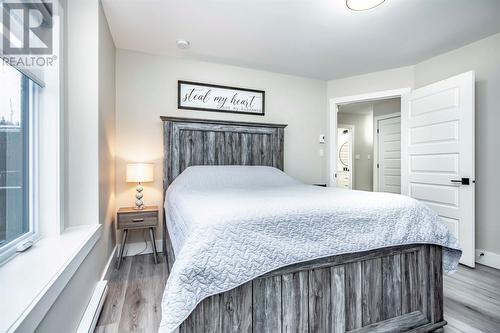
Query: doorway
<point x="369" y="159"/>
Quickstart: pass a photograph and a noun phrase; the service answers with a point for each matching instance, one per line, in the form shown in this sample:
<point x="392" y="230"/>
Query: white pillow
<point x="212" y="177"/>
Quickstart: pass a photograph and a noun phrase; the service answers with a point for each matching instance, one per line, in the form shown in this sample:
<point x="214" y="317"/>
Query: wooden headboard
<point x="188" y="141"/>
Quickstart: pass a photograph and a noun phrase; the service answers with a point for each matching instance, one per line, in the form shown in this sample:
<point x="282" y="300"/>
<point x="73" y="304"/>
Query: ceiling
<point x="313" y="38"/>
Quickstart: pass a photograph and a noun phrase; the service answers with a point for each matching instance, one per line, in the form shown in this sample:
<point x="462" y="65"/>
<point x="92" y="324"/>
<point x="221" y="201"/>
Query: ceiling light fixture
<point x="183" y="44"/>
<point x="360" y="5"/>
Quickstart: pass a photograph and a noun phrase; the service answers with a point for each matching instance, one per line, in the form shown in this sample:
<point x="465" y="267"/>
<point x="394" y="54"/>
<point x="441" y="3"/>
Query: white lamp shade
<point x="140" y="173"/>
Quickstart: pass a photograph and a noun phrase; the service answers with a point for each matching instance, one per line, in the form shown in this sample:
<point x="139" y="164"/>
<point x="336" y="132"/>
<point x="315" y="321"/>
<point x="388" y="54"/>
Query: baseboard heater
<point x="91" y="315"/>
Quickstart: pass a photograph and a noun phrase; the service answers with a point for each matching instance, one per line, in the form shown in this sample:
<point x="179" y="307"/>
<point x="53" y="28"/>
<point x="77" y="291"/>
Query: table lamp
<point x="139" y="173"/>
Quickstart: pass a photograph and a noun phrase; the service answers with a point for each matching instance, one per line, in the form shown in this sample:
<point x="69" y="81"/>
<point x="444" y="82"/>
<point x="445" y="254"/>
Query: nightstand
<point x="134" y="219"/>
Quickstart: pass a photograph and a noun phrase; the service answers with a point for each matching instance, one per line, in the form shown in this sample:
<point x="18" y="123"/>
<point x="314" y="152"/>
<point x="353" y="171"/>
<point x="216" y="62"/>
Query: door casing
<point x="334" y="109"/>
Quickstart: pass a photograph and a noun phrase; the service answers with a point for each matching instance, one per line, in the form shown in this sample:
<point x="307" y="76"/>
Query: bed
<point x="253" y="264"/>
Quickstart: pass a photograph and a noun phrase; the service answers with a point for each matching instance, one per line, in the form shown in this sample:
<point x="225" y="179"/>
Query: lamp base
<point x="138" y="197"/>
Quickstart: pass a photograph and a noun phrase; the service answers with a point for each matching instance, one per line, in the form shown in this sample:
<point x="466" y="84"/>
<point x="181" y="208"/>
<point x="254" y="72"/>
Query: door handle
<point x="463" y="181"/>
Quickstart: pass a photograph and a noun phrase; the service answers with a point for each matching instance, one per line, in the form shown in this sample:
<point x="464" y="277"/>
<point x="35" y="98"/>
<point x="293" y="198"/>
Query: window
<point x="15" y="108"/>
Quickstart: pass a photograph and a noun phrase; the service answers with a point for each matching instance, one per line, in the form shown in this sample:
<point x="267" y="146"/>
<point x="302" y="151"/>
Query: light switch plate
<point x="357" y="157"/>
<point x="322" y="138"/>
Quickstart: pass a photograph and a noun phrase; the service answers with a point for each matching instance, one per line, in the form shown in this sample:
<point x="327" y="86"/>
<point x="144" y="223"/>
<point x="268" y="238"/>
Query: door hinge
<point x="378" y="131"/>
<point x="378" y="166"/>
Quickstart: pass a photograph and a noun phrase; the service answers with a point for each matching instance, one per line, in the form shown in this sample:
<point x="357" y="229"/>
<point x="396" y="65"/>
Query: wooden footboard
<point x="397" y="289"/>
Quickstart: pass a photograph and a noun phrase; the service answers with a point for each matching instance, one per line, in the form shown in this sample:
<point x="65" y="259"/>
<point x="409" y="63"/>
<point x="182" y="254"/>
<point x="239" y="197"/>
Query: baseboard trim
<point x="488" y="258"/>
<point x="91" y="315"/>
<point x="109" y="264"/>
<point x="134" y="249"/>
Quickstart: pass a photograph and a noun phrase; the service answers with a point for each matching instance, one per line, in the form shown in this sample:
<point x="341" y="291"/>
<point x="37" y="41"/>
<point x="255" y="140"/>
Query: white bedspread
<point x="231" y="224"/>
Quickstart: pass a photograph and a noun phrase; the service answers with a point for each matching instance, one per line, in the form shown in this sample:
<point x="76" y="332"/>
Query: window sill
<point x="33" y="280"/>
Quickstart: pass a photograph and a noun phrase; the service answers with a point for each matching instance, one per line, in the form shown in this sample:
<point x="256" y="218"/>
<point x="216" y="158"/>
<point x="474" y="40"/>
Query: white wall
<point x="93" y="148"/>
<point x="484" y="57"/>
<point x="371" y="82"/>
<point x="146" y="88"/>
<point x="107" y="136"/>
<point x="387" y="106"/>
<point x="82" y="113"/>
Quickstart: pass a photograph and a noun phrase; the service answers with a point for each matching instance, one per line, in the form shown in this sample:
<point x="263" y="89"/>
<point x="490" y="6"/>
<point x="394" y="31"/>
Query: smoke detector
<point x="183" y="44"/>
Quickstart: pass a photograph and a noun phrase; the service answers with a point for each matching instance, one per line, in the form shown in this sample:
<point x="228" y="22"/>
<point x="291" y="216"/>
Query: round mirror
<point x="344" y="154"/>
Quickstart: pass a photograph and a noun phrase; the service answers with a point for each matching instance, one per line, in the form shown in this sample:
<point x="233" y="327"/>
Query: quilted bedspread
<point x="231" y="224"/>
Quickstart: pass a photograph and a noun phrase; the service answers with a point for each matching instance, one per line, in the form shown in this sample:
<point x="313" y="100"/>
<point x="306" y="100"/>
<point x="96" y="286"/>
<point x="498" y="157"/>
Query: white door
<point x="438" y="154"/>
<point x="389" y="155"/>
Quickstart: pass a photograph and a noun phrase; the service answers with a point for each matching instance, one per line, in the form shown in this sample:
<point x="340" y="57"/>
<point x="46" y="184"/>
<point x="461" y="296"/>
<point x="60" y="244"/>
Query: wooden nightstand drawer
<point x="131" y="219"/>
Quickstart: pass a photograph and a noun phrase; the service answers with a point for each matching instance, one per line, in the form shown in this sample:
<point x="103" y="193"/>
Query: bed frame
<point x="396" y="289"/>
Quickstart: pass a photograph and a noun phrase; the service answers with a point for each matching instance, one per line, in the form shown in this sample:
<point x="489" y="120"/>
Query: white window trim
<point x="33" y="294"/>
<point x="9" y="250"/>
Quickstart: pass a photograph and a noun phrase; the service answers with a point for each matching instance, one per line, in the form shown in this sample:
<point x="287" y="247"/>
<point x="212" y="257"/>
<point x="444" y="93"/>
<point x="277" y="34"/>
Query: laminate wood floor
<point x="133" y="304"/>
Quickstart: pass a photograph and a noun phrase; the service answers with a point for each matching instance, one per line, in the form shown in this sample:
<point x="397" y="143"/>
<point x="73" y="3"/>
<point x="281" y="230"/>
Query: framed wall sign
<point x="211" y="97"/>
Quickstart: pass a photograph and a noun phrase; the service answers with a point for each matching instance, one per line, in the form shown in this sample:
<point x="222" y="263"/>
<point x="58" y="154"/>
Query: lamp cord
<point x="145" y="245"/>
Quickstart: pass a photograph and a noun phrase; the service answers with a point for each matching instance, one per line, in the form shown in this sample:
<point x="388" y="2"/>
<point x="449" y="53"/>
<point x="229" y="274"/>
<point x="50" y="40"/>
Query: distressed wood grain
<point x="209" y="148"/>
<point x="320" y="300"/>
<point x="295" y="302"/>
<point x="194" y="323"/>
<point x="391" y="286"/>
<point x="267" y="305"/>
<point x="436" y="284"/>
<point x="236" y="315"/>
<point x="410" y="291"/>
<point x="353" y="295"/>
<point x="402" y="323"/>
<point x="338" y="299"/>
<point x="212" y="322"/>
<point x="204" y="142"/>
<point x="372" y="294"/>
